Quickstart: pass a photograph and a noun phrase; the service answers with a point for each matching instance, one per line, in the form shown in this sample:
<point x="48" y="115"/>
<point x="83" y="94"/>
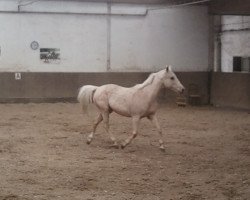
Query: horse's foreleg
<point x="154" y="120"/>
<point x="106" y="126"/>
<point x="135" y="124"/>
<point x="91" y="135"/>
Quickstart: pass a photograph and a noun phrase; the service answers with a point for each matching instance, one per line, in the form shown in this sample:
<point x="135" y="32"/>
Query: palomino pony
<point x="136" y="102"/>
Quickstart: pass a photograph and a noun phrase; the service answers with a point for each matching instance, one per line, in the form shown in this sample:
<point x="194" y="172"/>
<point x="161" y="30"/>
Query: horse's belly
<point x="122" y="112"/>
<point x="120" y="107"/>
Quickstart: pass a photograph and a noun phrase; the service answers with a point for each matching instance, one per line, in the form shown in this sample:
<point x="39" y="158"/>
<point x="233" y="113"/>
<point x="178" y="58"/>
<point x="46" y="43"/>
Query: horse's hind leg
<point x="154" y="120"/>
<point x="91" y="135"/>
<point x="106" y="126"/>
<point x="135" y="124"/>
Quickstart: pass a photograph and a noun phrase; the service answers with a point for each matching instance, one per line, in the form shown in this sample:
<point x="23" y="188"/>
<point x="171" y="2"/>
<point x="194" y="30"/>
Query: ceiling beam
<point x="167" y="2"/>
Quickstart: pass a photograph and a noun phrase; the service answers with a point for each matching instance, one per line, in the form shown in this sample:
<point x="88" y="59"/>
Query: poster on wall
<point x="50" y="55"/>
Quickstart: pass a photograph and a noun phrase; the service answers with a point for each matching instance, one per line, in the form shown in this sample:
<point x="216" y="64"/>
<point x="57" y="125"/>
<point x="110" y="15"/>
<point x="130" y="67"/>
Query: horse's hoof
<point x="88" y="142"/>
<point x="116" y="146"/>
<point x="162" y="149"/>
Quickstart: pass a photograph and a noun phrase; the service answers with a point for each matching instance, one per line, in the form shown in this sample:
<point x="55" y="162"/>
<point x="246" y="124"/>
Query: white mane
<point x="147" y="82"/>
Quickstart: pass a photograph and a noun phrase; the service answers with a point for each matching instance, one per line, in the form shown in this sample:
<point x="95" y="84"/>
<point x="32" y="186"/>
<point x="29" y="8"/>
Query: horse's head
<point x="171" y="81"/>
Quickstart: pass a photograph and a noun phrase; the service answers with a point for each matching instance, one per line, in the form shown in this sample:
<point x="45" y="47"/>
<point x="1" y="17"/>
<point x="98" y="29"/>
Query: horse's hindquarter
<point x="112" y="98"/>
<point x="101" y="97"/>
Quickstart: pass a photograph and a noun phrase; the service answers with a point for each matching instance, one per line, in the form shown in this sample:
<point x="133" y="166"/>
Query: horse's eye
<point x="172" y="78"/>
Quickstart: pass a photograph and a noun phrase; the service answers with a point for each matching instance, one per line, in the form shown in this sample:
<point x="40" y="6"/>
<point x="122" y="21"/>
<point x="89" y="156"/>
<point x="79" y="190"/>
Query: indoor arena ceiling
<point x="216" y="7"/>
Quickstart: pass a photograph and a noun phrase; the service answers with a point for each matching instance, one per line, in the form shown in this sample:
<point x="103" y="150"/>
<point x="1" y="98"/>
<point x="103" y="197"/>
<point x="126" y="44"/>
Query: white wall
<point x="140" y="40"/>
<point x="234" y="43"/>
<point x="176" y="36"/>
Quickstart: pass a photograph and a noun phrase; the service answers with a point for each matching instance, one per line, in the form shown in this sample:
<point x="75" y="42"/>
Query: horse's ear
<point x="167" y="68"/>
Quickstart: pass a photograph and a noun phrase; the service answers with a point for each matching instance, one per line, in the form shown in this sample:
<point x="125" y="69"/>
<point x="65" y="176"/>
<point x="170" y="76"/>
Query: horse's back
<point x="111" y="88"/>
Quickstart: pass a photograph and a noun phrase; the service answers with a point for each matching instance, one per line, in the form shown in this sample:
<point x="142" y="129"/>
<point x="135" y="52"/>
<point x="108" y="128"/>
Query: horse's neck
<point x="153" y="89"/>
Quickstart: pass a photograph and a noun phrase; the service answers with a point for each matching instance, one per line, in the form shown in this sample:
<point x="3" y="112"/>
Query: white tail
<point x="85" y="95"/>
